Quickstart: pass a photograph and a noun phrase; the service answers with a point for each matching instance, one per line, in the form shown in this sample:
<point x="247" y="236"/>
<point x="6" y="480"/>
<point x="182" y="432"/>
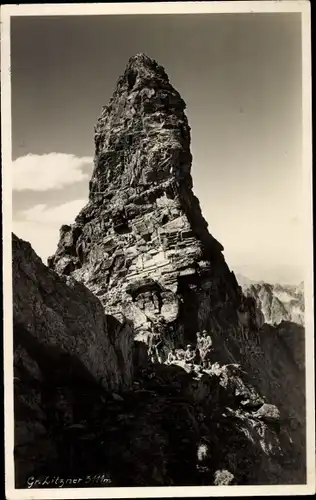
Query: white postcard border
<point x="153" y="8"/>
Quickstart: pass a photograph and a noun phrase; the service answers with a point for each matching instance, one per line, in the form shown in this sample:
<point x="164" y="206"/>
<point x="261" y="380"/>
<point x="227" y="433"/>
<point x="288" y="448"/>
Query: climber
<point x="157" y="343"/>
<point x="180" y="355"/>
<point x="202" y="336"/>
<point x="199" y="340"/>
<point x="153" y="353"/>
<point x="189" y="354"/>
<point x="171" y="357"/>
<point x="206" y="348"/>
<point x="208" y="341"/>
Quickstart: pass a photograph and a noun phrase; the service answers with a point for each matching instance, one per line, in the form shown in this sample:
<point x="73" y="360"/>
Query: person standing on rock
<point x="152" y="349"/>
<point x="189" y="355"/>
<point x="201" y="341"/>
<point x="208" y="340"/>
<point x="204" y="335"/>
<point x="155" y="344"/>
<point x="206" y="349"/>
<point x="152" y="354"/>
<point x="180" y="355"/>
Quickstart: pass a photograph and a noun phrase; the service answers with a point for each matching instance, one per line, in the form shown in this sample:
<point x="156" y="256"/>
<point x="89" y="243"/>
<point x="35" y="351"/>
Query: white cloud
<point x="40" y="225"/>
<point x="60" y="214"/>
<point x="43" y="239"/>
<point x="48" y="171"/>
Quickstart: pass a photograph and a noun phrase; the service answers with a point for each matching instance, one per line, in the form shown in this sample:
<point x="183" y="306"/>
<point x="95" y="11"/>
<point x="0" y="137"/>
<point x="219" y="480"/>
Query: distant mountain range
<point x="277" y="302"/>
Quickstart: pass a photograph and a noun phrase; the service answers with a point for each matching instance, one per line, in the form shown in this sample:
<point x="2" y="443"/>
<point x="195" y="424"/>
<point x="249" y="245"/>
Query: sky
<point x="240" y="76"/>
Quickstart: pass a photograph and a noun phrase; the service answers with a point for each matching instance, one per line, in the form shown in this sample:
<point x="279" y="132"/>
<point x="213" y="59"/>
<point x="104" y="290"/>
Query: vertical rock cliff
<point x="142" y="247"/>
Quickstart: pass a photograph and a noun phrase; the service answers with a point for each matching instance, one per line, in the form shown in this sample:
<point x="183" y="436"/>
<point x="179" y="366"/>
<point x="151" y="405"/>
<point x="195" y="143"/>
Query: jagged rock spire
<point x="141" y="244"/>
<point x="143" y="136"/>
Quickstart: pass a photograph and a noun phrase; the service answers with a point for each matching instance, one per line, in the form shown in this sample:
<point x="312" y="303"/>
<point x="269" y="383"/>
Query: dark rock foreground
<point x="139" y="264"/>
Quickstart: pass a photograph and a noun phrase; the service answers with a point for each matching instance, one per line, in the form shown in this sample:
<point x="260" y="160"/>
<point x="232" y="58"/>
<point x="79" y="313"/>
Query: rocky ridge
<point x="142" y="247"/>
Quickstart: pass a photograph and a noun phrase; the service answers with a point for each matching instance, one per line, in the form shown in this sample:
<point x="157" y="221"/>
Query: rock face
<point x="278" y="302"/>
<point x="143" y="248"/>
<point x="141" y="243"/>
<point x="59" y="317"/>
<point x="67" y="354"/>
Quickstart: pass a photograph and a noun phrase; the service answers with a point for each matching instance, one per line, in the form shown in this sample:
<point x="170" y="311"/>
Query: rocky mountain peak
<point x="142" y="137"/>
<point x="142" y="228"/>
<point x="144" y="67"/>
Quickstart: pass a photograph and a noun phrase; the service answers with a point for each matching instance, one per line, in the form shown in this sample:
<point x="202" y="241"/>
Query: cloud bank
<point x="40" y="225"/>
<point x="60" y="214"/>
<point x="48" y="171"/>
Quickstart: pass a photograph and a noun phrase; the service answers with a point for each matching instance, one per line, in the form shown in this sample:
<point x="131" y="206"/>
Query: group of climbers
<point x="200" y="355"/>
<point x="180" y="355"/>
